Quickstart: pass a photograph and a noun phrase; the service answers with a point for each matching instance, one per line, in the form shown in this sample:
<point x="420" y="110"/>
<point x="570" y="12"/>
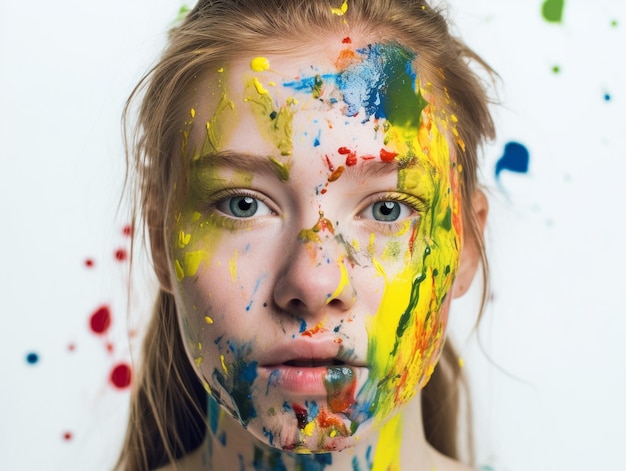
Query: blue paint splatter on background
<point x="515" y="159"/>
<point x="32" y="358"/>
<point x="607" y="97"/>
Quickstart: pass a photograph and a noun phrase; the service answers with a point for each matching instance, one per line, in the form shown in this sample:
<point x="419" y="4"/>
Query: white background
<point x="549" y="387"/>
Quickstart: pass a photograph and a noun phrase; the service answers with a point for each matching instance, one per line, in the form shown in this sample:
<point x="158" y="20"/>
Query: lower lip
<point x="297" y="379"/>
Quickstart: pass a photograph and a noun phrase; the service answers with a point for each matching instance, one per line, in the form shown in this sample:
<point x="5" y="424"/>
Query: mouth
<point x="311" y="363"/>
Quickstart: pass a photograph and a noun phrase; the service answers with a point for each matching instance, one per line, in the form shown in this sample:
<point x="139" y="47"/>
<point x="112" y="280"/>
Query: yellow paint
<point x="196" y="216"/>
<point x="232" y="266"/>
<point x="183" y="239"/>
<point x="343" y="280"/>
<point x="260" y="64"/>
<point x="200" y="346"/>
<point x="341" y="10"/>
<point x="261" y="90"/>
<point x="292" y="101"/>
<point x="223" y="364"/>
<point x="387" y="454"/>
<point x="371" y="246"/>
<point x="208" y="320"/>
<point x="192" y="112"/>
<point x="356" y="245"/>
<point x="180" y="274"/>
<point x="461" y="363"/>
<point x="215" y="127"/>
<point x="333" y="433"/>
<point x="198" y="361"/>
<point x="272" y="83"/>
<point x="220" y="70"/>
<point x="309" y="428"/>
<point x="207" y="388"/>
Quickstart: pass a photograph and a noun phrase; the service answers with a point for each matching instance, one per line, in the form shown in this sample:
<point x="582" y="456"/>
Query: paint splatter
<point x="121" y="376"/>
<point x="100" y="320"/>
<point x="89" y="262"/>
<point x="121" y="255"/>
<point x="32" y="358"/>
<point x="127" y="230"/>
<point x="556" y="69"/>
<point x="607" y="97"/>
<point x="67" y="436"/>
<point x="552" y="10"/>
<point x="515" y="159"/>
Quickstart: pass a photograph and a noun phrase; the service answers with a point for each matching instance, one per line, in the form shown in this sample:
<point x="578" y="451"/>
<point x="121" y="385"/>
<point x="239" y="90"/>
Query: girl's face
<point x="314" y="243"/>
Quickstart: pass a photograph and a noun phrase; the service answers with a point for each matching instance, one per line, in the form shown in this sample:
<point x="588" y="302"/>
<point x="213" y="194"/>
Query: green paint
<point x="317" y="87"/>
<point x="408" y="312"/>
<point x="214" y="128"/>
<point x="552" y="10"/>
<point x="556" y="69"/>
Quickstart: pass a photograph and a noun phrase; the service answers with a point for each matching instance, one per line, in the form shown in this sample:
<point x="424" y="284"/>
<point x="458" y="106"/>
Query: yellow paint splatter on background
<point x="208" y="320"/>
<point x="223" y="364"/>
<point x="261" y="90"/>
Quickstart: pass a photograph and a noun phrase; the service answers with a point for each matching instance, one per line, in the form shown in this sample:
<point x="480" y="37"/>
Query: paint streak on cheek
<point x="407" y="332"/>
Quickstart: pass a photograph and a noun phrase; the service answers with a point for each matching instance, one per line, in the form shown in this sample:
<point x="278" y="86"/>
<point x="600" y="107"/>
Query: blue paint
<point x="302" y="325"/>
<point x="316" y="462"/>
<point x="214" y="413"/>
<point x="607" y="97"/>
<point x="515" y="159"/>
<point x="368" y="457"/>
<point x="256" y="287"/>
<point x="355" y="464"/>
<point x="32" y="358"/>
<point x="222" y="438"/>
<point x="316" y="141"/>
<point x="313" y="409"/>
<point x="308" y="83"/>
<point x="269" y="435"/>
<point x="287" y="407"/>
<point x="273" y="380"/>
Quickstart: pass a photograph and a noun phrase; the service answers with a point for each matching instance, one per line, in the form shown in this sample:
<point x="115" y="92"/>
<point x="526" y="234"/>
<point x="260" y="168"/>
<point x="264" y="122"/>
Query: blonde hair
<point x="168" y="404"/>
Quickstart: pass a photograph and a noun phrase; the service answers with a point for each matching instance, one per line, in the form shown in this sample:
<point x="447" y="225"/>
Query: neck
<point x="397" y="444"/>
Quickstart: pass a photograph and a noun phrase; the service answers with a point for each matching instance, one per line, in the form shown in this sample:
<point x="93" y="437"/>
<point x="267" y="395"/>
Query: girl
<point x="306" y="171"/>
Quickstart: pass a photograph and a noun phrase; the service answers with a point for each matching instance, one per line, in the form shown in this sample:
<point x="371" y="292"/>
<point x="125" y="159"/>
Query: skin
<point x="313" y="253"/>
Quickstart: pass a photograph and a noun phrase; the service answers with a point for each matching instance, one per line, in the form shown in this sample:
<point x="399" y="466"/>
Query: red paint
<point x="351" y="159"/>
<point x="301" y="414"/>
<point x="387" y="156"/>
<point x="89" y="263"/>
<point x="330" y="164"/>
<point x="336" y="174"/>
<point x="343" y="399"/>
<point x="368" y="157"/>
<point x="100" y="320"/>
<point x="67" y="436"/>
<point x="344" y="151"/>
<point x="323" y="191"/>
<point x="121" y="376"/>
<point x="128" y="230"/>
<point x="109" y="347"/>
<point x="346" y="40"/>
<point x="71" y="347"/>
<point x="121" y="255"/>
<point x="326" y="420"/>
<point x="315" y="330"/>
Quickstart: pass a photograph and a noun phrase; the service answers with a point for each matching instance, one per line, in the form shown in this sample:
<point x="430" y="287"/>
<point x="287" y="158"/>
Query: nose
<point x="313" y="283"/>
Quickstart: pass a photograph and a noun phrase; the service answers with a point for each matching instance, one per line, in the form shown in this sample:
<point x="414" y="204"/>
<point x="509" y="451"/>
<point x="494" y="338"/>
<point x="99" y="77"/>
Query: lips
<point x="310" y="363"/>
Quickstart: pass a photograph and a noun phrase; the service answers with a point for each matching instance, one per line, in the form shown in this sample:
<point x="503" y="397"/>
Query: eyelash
<point x="416" y="204"/>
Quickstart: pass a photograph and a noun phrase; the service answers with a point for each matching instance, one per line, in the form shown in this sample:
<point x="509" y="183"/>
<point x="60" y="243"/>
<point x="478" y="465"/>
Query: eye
<point x="243" y="206"/>
<point x="388" y="211"/>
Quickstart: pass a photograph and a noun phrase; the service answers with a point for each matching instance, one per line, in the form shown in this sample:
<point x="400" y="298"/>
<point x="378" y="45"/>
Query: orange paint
<point x="387" y="156"/>
<point x="336" y="174"/>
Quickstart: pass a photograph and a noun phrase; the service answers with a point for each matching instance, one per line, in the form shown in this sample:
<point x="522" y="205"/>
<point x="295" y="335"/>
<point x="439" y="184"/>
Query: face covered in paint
<point x="314" y="243"/>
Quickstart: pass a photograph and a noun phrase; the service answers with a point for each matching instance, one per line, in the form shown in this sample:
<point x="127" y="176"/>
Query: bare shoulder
<point x="444" y="463"/>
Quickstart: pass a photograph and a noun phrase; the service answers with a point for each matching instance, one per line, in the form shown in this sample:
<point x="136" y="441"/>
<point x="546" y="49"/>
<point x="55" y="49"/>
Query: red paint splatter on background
<point x="121" y="376"/>
<point x="344" y="151"/>
<point x="100" y="320"/>
<point x="121" y="255"/>
<point x="67" y="436"/>
<point x="71" y="347"/>
<point x="127" y="230"/>
<point x="368" y="157"/>
<point x="89" y="263"/>
<point x="346" y="40"/>
<point x="324" y="190"/>
<point x="387" y="156"/>
<point x="109" y="347"/>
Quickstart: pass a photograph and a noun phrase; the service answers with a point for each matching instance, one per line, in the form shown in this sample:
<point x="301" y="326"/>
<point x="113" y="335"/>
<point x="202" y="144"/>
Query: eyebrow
<point x="270" y="165"/>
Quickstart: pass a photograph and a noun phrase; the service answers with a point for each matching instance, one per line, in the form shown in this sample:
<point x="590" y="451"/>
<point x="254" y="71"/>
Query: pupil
<point x="245" y="203"/>
<point x="387" y="208"/>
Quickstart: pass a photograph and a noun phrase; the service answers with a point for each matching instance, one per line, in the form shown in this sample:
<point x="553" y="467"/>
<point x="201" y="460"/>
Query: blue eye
<point x="243" y="206"/>
<point x="386" y="211"/>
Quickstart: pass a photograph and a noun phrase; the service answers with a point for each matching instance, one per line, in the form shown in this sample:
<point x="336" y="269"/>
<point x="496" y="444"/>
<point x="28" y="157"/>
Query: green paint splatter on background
<point x="556" y="69"/>
<point x="552" y="10"/>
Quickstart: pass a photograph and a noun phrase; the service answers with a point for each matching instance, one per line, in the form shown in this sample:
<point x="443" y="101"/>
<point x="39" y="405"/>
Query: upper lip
<point x="307" y="352"/>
